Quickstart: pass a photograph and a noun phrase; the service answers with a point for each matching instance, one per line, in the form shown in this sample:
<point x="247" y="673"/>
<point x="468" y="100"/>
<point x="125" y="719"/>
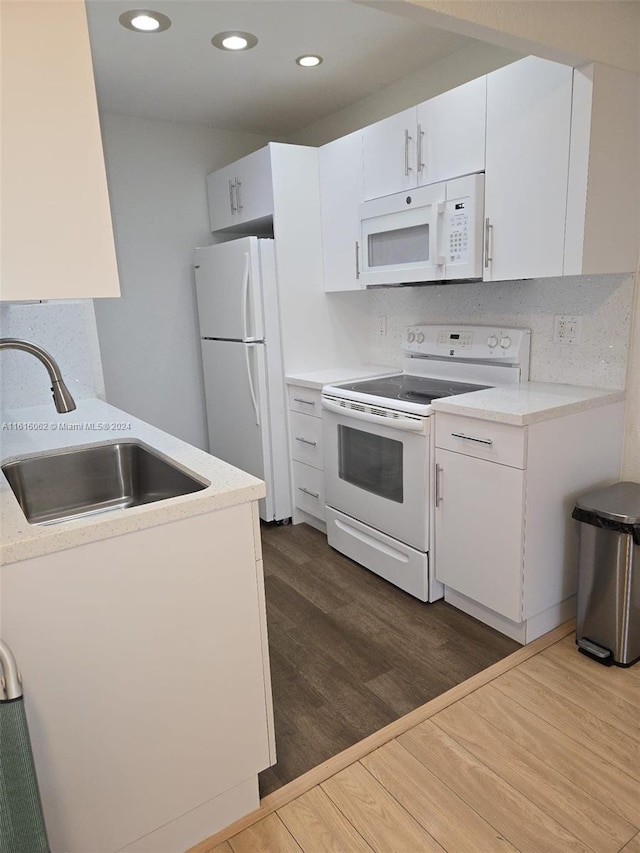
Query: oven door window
<point x="371" y="462"/>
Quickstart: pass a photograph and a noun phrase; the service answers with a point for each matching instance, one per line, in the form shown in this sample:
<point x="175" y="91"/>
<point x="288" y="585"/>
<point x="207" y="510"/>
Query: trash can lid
<point x="620" y="502"/>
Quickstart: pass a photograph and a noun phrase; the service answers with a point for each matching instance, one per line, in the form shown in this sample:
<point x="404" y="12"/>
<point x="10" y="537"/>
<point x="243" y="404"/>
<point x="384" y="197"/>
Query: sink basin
<point x="82" y="481"/>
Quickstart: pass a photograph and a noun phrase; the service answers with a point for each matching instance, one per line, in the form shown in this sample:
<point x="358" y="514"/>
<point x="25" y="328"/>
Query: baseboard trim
<point x="324" y="771"/>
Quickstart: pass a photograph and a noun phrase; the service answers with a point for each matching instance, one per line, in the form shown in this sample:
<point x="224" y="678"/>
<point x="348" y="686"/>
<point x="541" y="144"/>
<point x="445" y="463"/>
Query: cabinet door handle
<point x="307" y="492"/>
<point x="488" y="242"/>
<point x="306" y="441"/>
<point x="302" y="400"/>
<point x="231" y="199"/>
<point x="487" y="441"/>
<point x="438" y="484"/>
<point x="407" y="167"/>
<point x="421" y="164"/>
<point x="238" y="201"/>
<point x="357" y="259"/>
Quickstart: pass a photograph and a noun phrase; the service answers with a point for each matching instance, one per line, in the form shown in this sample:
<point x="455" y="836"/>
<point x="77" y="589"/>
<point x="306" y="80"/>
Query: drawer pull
<point x="487" y="441"/>
<point x="306" y="441"/>
<point x="307" y="492"/>
<point x="306" y="402"/>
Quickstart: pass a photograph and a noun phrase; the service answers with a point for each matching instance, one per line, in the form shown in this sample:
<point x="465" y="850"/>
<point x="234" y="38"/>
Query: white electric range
<point x="377" y="440"/>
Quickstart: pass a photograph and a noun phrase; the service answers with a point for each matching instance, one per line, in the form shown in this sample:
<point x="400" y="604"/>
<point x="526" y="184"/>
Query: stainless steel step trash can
<point x="608" y="617"/>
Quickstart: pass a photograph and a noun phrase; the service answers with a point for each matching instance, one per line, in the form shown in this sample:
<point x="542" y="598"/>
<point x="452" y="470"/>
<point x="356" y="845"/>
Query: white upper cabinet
<point x="451" y="133"/>
<point x="341" y="193"/>
<point x="57" y="232"/>
<point x="603" y="228"/>
<point x="389" y="155"/>
<point x="439" y="139"/>
<point x="241" y="192"/>
<point x="527" y="157"/>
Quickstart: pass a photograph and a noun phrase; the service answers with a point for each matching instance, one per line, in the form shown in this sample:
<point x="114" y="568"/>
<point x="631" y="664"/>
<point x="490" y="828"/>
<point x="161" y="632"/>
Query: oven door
<point x="377" y="470"/>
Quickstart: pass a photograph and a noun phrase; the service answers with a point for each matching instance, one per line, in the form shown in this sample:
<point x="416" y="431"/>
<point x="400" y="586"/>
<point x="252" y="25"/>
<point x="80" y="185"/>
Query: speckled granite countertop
<point x="333" y="375"/>
<point x="31" y="431"/>
<point x="527" y="402"/>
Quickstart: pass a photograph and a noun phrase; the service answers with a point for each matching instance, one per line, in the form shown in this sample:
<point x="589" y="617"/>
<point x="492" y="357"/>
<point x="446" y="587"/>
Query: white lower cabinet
<point x="309" y="489"/>
<point x="146" y="679"/>
<point x="479" y="531"/>
<point x="506" y="547"/>
<point x="306" y="439"/>
<point x="305" y="430"/>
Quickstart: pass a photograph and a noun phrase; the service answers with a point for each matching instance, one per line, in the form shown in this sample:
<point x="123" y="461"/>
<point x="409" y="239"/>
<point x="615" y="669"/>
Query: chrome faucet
<point x="61" y="397"/>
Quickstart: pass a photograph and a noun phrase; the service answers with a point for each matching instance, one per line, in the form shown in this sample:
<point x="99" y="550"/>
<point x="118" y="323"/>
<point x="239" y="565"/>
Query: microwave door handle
<point x="437" y="209"/>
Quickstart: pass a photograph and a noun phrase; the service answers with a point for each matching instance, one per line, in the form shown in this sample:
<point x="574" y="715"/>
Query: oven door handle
<point x="408" y="424"/>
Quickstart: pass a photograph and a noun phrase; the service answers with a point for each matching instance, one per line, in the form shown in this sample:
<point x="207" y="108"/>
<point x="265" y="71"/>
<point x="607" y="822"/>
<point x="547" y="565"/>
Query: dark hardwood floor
<point x="350" y="652"/>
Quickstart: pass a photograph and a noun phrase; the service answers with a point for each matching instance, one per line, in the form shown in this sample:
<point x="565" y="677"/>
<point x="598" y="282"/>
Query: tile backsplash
<point x="602" y="303"/>
<point x="67" y="330"/>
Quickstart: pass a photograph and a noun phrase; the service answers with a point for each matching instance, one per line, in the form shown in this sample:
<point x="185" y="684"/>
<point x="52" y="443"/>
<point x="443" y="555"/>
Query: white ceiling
<point x="177" y="75"/>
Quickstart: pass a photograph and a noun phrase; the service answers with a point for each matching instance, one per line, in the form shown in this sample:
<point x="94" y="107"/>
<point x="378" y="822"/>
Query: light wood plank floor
<point x="539" y="753"/>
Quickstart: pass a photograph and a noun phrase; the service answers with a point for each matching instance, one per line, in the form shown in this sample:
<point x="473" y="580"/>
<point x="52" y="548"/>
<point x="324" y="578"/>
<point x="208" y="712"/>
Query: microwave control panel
<point x="458" y="234"/>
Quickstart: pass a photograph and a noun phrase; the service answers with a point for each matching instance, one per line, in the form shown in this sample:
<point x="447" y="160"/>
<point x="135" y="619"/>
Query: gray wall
<point x="149" y="336"/>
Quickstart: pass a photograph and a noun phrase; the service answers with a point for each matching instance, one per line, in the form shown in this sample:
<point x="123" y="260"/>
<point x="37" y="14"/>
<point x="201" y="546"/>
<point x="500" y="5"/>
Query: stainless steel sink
<point x="82" y="481"/>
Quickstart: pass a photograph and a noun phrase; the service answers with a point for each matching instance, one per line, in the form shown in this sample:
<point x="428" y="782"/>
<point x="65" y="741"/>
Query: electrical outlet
<point x="382" y="324"/>
<point x="566" y="330"/>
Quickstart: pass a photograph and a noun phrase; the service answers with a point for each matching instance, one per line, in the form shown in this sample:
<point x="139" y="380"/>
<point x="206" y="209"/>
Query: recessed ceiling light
<point x="144" y="21"/>
<point x="234" y="40"/>
<point x="309" y="60"/>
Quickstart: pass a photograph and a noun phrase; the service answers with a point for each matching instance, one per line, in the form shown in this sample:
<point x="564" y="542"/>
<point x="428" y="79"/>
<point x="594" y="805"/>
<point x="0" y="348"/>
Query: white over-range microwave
<point x="432" y="233"/>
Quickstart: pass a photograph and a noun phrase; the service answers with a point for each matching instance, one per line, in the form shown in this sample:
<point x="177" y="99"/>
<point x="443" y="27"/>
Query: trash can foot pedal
<point x="593" y="650"/>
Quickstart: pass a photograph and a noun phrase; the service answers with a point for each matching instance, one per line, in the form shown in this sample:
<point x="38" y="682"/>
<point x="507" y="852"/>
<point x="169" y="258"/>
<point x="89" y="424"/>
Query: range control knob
<point x="420" y="337"/>
<point x="411" y="337"/>
<point x="505" y="343"/>
<point x="492" y="341"/>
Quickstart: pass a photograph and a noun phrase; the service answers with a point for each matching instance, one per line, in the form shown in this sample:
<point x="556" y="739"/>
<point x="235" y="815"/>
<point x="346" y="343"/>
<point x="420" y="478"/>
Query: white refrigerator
<point x="244" y="387"/>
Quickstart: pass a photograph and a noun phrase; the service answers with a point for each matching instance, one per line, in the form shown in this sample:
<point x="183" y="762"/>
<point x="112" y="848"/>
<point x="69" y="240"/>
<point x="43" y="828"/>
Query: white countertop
<point x="527" y="402"/>
<point x="38" y="429"/>
<point x="331" y="375"/>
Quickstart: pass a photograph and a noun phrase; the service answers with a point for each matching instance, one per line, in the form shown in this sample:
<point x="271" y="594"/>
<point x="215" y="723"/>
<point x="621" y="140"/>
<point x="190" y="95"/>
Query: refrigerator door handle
<point x="245" y="297"/>
<point x="252" y="390"/>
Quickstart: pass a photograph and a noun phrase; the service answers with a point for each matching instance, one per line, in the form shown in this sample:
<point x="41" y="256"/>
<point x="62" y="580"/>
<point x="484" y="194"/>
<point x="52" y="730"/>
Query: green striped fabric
<point x="22" y="828"/>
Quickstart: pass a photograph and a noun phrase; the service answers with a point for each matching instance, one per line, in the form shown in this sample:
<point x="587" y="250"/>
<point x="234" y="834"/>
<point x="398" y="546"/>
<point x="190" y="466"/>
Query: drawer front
<point x="307" y="401"/>
<point x="308" y="489"/>
<point x="501" y="443"/>
<point x="306" y="439"/>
